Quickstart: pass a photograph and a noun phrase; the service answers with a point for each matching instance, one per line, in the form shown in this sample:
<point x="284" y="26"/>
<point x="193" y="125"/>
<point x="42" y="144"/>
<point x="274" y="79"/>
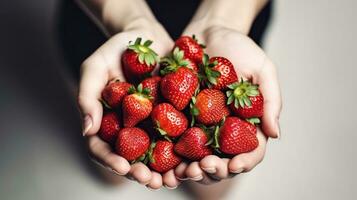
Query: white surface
<point x="313" y="44"/>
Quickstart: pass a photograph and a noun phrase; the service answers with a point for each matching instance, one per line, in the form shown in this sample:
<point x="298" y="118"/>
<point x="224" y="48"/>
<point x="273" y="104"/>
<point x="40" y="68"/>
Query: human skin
<point x="124" y="21"/>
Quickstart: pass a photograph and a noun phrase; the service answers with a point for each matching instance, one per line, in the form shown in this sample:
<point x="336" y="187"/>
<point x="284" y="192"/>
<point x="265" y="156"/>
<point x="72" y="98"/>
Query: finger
<point x="195" y="173"/>
<point x="215" y="167"/>
<point x="180" y="171"/>
<point x="269" y="87"/>
<point x="102" y="153"/>
<point x="247" y="161"/>
<point x="155" y="182"/>
<point x="169" y="180"/>
<point x="93" y="80"/>
<point x="141" y="173"/>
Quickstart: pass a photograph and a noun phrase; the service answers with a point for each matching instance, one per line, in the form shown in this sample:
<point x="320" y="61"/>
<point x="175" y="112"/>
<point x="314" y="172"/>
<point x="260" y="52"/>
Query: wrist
<point x="237" y="15"/>
<point x="118" y="16"/>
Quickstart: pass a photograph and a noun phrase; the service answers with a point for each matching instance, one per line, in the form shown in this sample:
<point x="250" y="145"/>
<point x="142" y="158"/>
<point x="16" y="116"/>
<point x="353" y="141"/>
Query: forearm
<point x="116" y="15"/>
<point x="235" y="14"/>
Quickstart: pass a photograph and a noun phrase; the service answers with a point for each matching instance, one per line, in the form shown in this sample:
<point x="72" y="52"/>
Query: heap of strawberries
<point x="196" y="107"/>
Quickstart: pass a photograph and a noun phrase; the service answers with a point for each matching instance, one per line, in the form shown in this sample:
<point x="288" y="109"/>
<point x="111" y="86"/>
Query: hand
<point x="102" y="66"/>
<point x="250" y="63"/>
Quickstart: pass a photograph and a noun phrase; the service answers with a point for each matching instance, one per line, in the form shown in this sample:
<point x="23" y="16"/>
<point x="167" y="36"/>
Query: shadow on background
<point x="78" y="36"/>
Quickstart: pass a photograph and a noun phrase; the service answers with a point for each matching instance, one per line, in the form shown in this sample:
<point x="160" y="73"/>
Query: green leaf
<point x="146" y="91"/>
<point x="205" y="59"/>
<point x="131" y="89"/>
<point x="247" y="101"/>
<point x="193" y="99"/>
<point x="141" y="58"/>
<point x="215" y="73"/>
<point x="162" y="132"/>
<point x="236" y="103"/>
<point x="233" y="85"/>
<point x="212" y="80"/>
<point x="254" y="120"/>
<point x="241" y="102"/>
<point x="230" y="99"/>
<point x="229" y="93"/>
<point x="252" y="93"/>
<point x="137" y="41"/>
<point x="148" y="43"/>
<point x="140" y="88"/>
<point x="195" y="111"/>
<point x="192" y="121"/>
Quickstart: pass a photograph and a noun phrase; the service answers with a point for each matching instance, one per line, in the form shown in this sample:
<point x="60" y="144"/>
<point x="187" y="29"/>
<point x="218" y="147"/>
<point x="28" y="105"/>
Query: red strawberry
<point x="153" y="83"/>
<point x="114" y="93"/>
<point x="209" y="107"/>
<point x="138" y="60"/>
<point x="189" y="45"/>
<point x="132" y="143"/>
<point x="168" y="120"/>
<point x="219" y="72"/>
<point x="136" y="106"/>
<point x="179" y="83"/>
<point x="109" y="127"/>
<point x="162" y="156"/>
<point x="245" y="100"/>
<point x="237" y="136"/>
<point x="193" y="144"/>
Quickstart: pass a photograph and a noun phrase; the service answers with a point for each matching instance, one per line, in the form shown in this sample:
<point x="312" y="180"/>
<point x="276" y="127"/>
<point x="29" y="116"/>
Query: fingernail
<point x="152" y="189"/>
<point x="197" y="178"/>
<point x="238" y="171"/>
<point x="117" y="173"/>
<point x="210" y="170"/>
<point x="181" y="179"/>
<point x="170" y="188"/>
<point x="87" y="124"/>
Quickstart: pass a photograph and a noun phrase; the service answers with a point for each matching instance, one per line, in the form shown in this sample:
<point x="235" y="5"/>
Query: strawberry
<point x="218" y="72"/>
<point x="114" y="93"/>
<point x="138" y="60"/>
<point x="153" y="83"/>
<point x="192" y="50"/>
<point x="193" y="144"/>
<point x="168" y="120"/>
<point x="236" y="136"/>
<point x="136" y="106"/>
<point x="109" y="127"/>
<point x="179" y="82"/>
<point x="162" y="156"/>
<point x="209" y="107"/>
<point x="132" y="144"/>
<point x="245" y="100"/>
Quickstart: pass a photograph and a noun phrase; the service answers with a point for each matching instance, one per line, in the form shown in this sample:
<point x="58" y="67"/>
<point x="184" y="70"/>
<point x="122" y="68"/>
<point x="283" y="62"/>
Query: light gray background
<point x="314" y="46"/>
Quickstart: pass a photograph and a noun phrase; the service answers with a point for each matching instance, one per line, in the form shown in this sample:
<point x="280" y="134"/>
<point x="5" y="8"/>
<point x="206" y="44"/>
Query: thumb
<point x="92" y="112"/>
<point x="269" y="86"/>
<point x="93" y="80"/>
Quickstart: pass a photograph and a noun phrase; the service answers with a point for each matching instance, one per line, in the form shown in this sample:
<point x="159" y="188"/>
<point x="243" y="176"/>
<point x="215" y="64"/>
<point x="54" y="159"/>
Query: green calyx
<point x="240" y="92"/>
<point x="254" y="120"/>
<point x="207" y="73"/>
<point x="173" y="62"/>
<point x="145" y="53"/>
<point x="148" y="155"/>
<point x="193" y="109"/>
<point x="144" y="92"/>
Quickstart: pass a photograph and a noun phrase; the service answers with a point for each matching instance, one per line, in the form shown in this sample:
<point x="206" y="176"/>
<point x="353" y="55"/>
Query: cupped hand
<point x="99" y="68"/>
<point x="251" y="63"/>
